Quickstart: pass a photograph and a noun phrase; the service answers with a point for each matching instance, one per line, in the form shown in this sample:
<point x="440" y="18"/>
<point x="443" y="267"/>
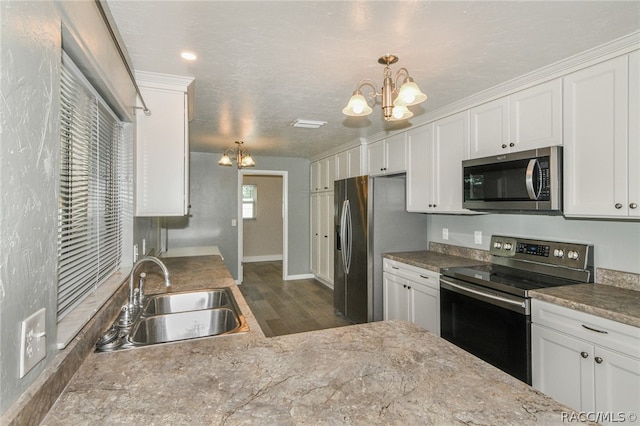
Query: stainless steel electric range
<point x="486" y="309"/>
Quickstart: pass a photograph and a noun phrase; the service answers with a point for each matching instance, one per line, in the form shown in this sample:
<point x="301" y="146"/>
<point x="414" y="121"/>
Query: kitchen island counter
<point x="378" y="373"/>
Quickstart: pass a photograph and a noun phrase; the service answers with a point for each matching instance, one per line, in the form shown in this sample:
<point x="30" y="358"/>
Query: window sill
<point x="71" y="325"/>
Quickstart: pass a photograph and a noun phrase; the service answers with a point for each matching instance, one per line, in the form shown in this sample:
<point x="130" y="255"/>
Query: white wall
<point x="30" y="52"/>
<point x="616" y="243"/>
<point x="262" y="237"/>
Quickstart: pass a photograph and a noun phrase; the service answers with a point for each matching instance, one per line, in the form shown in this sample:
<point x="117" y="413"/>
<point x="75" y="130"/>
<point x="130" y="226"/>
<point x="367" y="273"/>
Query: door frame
<point x="285" y="218"/>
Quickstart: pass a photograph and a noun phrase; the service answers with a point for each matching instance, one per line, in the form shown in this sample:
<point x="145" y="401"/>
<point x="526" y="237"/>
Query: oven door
<point x="493" y="326"/>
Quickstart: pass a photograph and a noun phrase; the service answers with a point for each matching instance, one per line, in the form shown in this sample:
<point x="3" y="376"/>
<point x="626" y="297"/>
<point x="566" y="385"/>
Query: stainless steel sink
<point x="186" y="301"/>
<point x="184" y="325"/>
<point x="172" y="317"/>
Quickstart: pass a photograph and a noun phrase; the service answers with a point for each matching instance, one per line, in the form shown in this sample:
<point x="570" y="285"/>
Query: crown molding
<point x="163" y="81"/>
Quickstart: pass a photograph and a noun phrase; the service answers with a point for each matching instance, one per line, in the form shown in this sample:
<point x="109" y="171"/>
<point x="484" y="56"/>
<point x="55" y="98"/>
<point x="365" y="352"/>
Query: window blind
<point x="90" y="202"/>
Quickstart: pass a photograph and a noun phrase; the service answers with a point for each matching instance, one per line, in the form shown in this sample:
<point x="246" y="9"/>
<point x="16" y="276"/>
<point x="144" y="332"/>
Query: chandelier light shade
<point x="394" y="100"/>
<point x="240" y="155"/>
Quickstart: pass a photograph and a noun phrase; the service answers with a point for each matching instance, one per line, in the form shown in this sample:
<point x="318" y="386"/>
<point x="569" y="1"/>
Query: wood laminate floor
<point x="287" y="307"/>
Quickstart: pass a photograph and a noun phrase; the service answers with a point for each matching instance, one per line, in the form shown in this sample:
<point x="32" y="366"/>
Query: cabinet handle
<point x="395" y="267"/>
<point x="596" y="330"/>
<point x="408" y="287"/>
<point x="504" y="145"/>
<point x="404" y="285"/>
<point x="430" y="205"/>
<point x="426" y="278"/>
<point x="598" y="360"/>
<point x="512" y="144"/>
<point x="633" y="205"/>
<point x="584" y="354"/>
<point x="618" y="206"/>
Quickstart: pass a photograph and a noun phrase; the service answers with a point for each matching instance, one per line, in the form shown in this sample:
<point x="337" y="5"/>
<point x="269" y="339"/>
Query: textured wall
<point x="616" y="243"/>
<point x="213" y="195"/>
<point x="263" y="236"/>
<point x="30" y="53"/>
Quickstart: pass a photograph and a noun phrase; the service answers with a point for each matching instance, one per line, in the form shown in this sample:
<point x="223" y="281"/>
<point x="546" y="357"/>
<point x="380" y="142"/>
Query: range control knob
<point x="573" y="255"/>
<point x="558" y="253"/>
<point x="497" y="245"/>
<point x="508" y="246"/>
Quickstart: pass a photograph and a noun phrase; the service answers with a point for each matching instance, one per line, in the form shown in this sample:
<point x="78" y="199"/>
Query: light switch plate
<point x="33" y="342"/>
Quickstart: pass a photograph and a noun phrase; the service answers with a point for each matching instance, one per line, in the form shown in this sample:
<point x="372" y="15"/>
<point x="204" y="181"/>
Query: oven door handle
<point x="514" y="305"/>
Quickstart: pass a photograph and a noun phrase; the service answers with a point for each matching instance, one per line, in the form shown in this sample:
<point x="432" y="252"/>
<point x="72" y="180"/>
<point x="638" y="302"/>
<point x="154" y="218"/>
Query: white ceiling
<point x="263" y="64"/>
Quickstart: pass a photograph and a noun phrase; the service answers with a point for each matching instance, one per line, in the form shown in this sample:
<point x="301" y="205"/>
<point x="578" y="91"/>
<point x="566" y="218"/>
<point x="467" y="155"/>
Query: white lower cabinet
<point x="589" y="363"/>
<point x="411" y="294"/>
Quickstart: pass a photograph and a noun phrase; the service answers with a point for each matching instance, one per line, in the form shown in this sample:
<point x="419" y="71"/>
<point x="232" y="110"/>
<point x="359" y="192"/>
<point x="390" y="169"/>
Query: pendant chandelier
<point x="240" y="155"/>
<point x="394" y="101"/>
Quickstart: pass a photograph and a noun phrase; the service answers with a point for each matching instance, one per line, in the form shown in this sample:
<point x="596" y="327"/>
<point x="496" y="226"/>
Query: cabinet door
<point x="326" y="219"/>
<point x="419" y="171"/>
<point x="315" y="233"/>
<point x="396" y="154"/>
<point x="424" y="307"/>
<point x="536" y="116"/>
<point x="617" y="382"/>
<point x="376" y="159"/>
<point x="595" y="140"/>
<point x="315" y="176"/>
<point x="162" y="150"/>
<point x="355" y="162"/>
<point x="451" y="138"/>
<point x="395" y="298"/>
<point x="342" y="165"/>
<point x="490" y="128"/>
<point x="327" y="173"/>
<point x="562" y="367"/>
<point x="330" y="235"/>
<point x="634" y="134"/>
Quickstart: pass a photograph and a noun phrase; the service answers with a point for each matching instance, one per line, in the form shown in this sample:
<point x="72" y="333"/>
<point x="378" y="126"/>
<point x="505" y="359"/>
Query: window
<point x="91" y="186"/>
<point x="249" y="201"/>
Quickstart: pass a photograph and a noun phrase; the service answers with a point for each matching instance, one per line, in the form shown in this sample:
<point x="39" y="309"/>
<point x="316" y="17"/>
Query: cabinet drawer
<point x="419" y="275"/>
<point x="600" y="331"/>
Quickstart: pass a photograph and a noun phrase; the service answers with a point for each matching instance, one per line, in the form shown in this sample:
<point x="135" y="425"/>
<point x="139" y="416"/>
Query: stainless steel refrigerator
<point x="370" y="220"/>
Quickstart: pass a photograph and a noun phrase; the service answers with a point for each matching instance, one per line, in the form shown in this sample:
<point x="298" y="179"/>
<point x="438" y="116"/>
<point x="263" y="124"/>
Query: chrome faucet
<point x="129" y="311"/>
<point x="132" y="302"/>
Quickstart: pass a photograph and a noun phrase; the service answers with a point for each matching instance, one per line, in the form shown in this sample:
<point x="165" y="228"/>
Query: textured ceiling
<point x="263" y="64"/>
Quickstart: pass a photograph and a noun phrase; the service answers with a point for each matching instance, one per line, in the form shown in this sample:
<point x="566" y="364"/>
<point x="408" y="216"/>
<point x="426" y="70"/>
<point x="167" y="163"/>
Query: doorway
<point x="262" y="218"/>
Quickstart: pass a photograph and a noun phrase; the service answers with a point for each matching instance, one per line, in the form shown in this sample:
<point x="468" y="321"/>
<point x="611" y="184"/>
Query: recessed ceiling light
<point x="308" y="124"/>
<point x="189" y="56"/>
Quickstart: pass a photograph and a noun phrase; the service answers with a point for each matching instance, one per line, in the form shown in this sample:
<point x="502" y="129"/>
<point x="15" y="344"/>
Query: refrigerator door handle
<point x="349" y="235"/>
<point x="343" y="226"/>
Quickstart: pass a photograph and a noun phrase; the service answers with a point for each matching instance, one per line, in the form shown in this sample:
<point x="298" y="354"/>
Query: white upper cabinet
<point x="434" y="165"/>
<point x="602" y="143"/>
<point x="528" y="119"/>
<point x="323" y="174"/>
<point x="162" y="146"/>
<point x="348" y="163"/>
<point x="387" y="156"/>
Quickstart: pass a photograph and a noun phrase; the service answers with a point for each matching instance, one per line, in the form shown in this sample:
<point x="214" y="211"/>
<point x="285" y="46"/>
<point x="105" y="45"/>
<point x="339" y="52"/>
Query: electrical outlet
<point x="445" y="233"/>
<point x="33" y="342"/>
<point x="477" y="236"/>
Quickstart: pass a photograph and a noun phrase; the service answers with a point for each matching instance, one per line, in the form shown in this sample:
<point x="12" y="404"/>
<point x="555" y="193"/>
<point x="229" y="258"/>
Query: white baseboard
<point x="267" y="258"/>
<point x="299" y="277"/>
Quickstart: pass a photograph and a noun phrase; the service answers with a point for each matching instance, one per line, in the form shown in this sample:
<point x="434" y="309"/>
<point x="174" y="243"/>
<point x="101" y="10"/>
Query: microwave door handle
<point x="531" y="167"/>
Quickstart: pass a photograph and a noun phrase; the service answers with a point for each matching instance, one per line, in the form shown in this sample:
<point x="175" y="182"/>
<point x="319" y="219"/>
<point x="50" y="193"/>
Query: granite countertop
<point x="430" y="260"/>
<point x="378" y="373"/>
<point x="606" y="301"/>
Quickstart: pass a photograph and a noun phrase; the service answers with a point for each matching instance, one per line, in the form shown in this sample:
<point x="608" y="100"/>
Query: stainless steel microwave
<point x="520" y="181"/>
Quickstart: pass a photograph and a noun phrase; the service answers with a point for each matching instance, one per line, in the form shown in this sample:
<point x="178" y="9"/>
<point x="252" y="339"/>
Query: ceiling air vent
<point x="308" y="124"/>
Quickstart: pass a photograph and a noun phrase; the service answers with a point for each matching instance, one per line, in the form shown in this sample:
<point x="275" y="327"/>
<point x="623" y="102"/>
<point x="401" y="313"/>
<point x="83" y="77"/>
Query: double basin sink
<point x="171" y="317"/>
